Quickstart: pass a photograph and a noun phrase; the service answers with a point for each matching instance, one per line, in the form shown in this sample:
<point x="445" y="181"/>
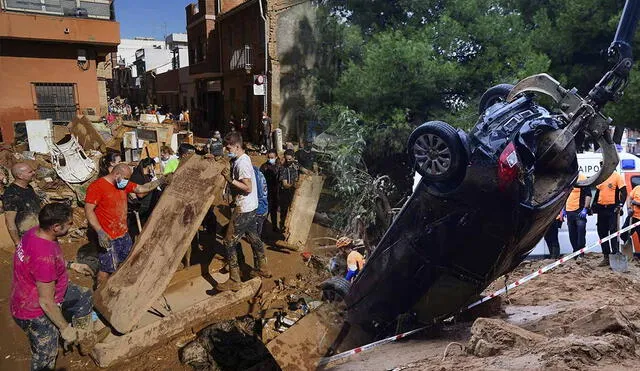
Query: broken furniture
<point x="70" y="161"/>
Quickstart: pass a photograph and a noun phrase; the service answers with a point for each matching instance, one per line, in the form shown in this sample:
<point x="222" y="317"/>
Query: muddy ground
<point x="14" y="347"/>
<point x="578" y="316"/>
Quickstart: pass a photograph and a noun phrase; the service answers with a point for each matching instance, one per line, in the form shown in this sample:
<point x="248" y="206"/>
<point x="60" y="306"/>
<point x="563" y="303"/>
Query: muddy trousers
<point x="273" y="210"/>
<point x="577" y="229"/>
<point x="286" y="199"/>
<point x="44" y="335"/>
<point x="551" y="239"/>
<point x="241" y="225"/>
<point x="608" y="224"/>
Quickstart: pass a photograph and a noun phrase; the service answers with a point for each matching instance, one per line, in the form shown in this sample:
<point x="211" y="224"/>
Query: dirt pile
<point x="491" y="336"/>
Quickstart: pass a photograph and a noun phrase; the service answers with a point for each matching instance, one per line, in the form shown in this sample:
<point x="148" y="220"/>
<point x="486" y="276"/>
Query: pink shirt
<point x="36" y="259"/>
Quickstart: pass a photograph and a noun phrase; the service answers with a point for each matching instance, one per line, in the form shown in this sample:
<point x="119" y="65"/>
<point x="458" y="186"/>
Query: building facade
<point x="52" y="60"/>
<point x="227" y="52"/>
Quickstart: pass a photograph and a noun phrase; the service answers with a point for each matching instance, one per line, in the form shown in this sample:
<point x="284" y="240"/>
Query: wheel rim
<point x="432" y="154"/>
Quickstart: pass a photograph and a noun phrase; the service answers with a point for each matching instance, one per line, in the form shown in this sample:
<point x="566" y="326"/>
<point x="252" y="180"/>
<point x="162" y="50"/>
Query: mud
<point x="578" y="316"/>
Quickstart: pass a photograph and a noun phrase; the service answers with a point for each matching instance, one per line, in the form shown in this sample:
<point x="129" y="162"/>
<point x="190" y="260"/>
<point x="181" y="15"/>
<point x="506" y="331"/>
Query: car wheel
<point x="436" y="151"/>
<point x="335" y="289"/>
<point x="494" y="95"/>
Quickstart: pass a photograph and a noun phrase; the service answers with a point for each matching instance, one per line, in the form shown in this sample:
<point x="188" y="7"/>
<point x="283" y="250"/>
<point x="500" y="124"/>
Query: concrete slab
<point x="193" y="313"/>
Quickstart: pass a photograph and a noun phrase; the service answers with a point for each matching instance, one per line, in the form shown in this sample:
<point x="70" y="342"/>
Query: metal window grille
<point x="241" y="59"/>
<point x="56" y="101"/>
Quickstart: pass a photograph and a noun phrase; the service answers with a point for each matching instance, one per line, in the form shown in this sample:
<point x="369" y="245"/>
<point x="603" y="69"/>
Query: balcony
<point x="98" y="9"/>
<point x="45" y="27"/>
<point x="242" y="59"/>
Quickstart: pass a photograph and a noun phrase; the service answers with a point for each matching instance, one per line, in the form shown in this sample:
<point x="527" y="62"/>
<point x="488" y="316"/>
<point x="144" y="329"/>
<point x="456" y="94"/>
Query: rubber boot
<point x="234" y="283"/>
<point x="604" y="262"/>
<point x="87" y="337"/>
<point x="261" y="268"/>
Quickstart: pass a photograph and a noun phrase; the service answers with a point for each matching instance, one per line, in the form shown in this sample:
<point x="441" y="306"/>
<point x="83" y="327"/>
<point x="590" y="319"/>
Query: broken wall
<point x="293" y="52"/>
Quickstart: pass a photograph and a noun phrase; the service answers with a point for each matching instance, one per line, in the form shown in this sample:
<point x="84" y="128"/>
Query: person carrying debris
<point x="108" y="161"/>
<point x="183" y="150"/>
<point x="42" y="296"/>
<point x="306" y="158"/>
<point x="607" y="203"/>
<point x="289" y="173"/>
<point x="577" y="208"/>
<point x="271" y="171"/>
<point x="243" y="187"/>
<point x="21" y="204"/>
<point x="140" y="207"/>
<point x="106" y="211"/>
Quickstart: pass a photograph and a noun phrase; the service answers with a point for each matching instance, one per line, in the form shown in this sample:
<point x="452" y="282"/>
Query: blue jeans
<point x="44" y="335"/>
<point x="119" y="250"/>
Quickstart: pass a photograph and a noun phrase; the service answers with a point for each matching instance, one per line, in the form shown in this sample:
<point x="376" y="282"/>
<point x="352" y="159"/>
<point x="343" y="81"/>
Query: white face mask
<point x="272" y="161"/>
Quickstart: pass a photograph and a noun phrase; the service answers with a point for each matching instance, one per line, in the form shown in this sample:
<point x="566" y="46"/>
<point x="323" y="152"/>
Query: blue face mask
<point x="122" y="183"/>
<point x="272" y="161"/>
<point x="231" y="155"/>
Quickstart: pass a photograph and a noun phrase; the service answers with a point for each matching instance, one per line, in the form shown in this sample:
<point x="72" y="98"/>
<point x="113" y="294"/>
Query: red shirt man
<point x="106" y="210"/>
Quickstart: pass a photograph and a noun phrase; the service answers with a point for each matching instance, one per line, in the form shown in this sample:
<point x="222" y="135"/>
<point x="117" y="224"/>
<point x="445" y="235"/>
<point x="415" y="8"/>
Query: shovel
<point x="618" y="261"/>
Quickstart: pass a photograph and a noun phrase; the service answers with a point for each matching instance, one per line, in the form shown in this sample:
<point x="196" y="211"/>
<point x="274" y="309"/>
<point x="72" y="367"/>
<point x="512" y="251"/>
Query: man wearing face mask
<point x="106" y="210"/>
<point x="243" y="187"/>
<point x="270" y="170"/>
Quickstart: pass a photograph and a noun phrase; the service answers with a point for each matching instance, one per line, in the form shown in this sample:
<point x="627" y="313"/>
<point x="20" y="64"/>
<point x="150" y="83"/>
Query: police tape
<point x="348" y="353"/>
<point x="552" y="265"/>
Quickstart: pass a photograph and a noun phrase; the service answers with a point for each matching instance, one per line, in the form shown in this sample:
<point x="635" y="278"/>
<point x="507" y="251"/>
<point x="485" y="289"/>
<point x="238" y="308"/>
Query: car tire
<point x="494" y="95"/>
<point x="335" y="289"/>
<point x="436" y="151"/>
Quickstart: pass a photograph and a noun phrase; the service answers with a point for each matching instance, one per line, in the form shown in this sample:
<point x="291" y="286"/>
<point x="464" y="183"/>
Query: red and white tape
<point x="511" y="286"/>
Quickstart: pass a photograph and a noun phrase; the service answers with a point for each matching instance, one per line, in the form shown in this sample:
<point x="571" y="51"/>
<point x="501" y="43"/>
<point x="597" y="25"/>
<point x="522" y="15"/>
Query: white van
<point x="589" y="164"/>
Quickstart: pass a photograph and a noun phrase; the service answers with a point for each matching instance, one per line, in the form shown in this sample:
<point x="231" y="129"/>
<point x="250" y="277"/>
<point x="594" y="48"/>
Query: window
<point x="635" y="181"/>
<point x="56" y="101"/>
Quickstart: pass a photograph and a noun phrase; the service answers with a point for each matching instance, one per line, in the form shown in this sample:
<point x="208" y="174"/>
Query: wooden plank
<point x="155" y="257"/>
<point x="303" y="209"/>
<point x="301" y="347"/>
<point x="88" y="136"/>
<point x="118" y="348"/>
<point x="6" y="243"/>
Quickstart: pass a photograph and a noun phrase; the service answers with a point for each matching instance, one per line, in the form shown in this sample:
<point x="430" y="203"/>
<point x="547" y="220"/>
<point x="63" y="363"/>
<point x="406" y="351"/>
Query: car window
<point x="635" y="181"/>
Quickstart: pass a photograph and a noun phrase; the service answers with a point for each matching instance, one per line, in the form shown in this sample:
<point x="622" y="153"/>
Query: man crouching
<point x="42" y="298"/>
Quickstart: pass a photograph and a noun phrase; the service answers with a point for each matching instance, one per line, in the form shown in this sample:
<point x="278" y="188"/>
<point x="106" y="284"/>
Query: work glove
<point x="69" y="335"/>
<point x="82" y="269"/>
<point x="563" y="215"/>
<point x="104" y="240"/>
<point x="226" y="173"/>
<point x="583" y="213"/>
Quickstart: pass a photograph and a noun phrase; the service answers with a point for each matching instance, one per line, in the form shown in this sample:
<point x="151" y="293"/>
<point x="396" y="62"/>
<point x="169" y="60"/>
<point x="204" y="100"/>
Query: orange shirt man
<point x="610" y="196"/>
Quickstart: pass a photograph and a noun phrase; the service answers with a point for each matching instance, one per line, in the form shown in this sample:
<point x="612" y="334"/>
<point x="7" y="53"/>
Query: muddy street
<point x="578" y="316"/>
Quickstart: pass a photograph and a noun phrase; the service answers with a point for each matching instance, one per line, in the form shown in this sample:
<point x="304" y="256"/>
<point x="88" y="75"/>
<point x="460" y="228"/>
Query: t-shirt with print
<point x="36" y="260"/>
<point x="111" y="205"/>
<point x="25" y="203"/>
<point x="607" y="189"/>
<point x="243" y="169"/>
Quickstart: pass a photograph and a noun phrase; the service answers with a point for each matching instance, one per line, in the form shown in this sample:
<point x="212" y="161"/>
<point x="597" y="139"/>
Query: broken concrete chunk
<point x="489" y="336"/>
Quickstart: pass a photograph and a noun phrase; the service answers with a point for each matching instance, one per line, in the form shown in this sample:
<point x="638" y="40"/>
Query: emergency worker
<point x="607" y="203"/>
<point x="551" y="237"/>
<point x="577" y="209"/>
<point x="633" y="206"/>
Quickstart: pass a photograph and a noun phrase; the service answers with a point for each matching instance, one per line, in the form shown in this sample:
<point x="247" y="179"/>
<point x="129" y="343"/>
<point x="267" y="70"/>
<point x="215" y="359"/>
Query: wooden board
<point x="88" y="136"/>
<point x="6" y="243"/>
<point x="118" y="348"/>
<point x="155" y="257"/>
<point x="303" y="209"/>
<point x="301" y="347"/>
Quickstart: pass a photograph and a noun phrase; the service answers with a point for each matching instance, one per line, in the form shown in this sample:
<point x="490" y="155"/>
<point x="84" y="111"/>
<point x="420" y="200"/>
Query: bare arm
<point x="243" y="185"/>
<point x="46" y="294"/>
<point x="90" y="211"/>
<point x="10" y="220"/>
<point x="142" y="189"/>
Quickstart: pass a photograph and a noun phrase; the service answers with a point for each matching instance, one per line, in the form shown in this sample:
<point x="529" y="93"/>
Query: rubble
<point x="490" y="336"/>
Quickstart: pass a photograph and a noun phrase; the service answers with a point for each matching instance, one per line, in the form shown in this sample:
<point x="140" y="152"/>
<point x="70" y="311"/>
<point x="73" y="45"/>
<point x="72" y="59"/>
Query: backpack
<point x="263" y="194"/>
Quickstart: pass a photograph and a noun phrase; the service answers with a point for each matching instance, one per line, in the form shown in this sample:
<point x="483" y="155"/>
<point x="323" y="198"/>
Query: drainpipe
<point x="266" y="55"/>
